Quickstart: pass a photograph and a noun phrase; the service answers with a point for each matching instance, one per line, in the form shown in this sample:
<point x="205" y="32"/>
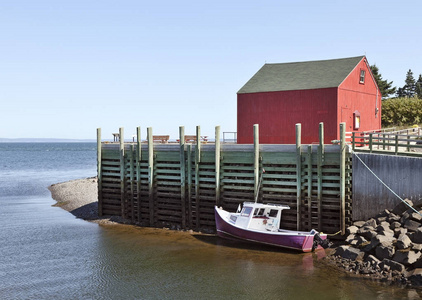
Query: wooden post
<point x="138" y="171"/>
<point x="99" y="174"/>
<point x="217" y="165"/>
<point x="298" y="176"/>
<point x="397" y="144"/>
<point x="343" y="178"/>
<point x="320" y="164"/>
<point x="132" y="179"/>
<point x="182" y="175"/>
<point x="189" y="150"/>
<point x="150" y="175"/>
<point x="197" y="187"/>
<point x="408" y="142"/>
<point x="122" y="171"/>
<point x="353" y="141"/>
<point x="256" y="159"/>
<point x="383" y="141"/>
<point x="310" y="186"/>
<point x="370" y="143"/>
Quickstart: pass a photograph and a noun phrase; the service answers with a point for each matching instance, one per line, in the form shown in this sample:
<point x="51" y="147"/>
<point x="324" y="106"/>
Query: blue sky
<point x="68" y="67"/>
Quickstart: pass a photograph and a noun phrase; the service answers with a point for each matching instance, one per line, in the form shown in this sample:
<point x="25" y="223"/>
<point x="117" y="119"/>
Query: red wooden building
<point x="330" y="91"/>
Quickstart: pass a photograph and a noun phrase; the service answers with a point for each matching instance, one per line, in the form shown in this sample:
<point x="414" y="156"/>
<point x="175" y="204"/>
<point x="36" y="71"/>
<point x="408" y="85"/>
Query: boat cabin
<point x="259" y="216"/>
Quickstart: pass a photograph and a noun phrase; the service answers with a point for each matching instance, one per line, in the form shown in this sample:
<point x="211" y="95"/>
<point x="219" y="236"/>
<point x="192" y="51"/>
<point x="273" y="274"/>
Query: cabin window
<point x="362" y="76"/>
<point x="246" y="211"/>
<point x="273" y="213"/>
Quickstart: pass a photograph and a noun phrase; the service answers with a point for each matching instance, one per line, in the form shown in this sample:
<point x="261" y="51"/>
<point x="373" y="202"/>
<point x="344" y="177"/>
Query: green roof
<point x="301" y="75"/>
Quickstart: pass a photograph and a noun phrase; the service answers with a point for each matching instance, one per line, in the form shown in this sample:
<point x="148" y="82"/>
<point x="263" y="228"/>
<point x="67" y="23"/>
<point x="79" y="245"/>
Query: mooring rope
<point x="380" y="180"/>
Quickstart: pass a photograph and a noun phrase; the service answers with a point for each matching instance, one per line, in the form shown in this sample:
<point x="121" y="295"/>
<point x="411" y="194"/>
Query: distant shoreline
<point x="47" y="140"/>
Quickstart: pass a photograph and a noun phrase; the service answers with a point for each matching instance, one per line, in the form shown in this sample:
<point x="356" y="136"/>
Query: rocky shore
<point x="387" y="247"/>
<point x="80" y="198"/>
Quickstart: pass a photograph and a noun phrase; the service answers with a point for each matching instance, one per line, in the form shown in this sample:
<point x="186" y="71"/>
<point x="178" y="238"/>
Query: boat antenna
<point x="259" y="185"/>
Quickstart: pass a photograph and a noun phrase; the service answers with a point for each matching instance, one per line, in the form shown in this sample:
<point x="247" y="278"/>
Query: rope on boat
<point x="332" y="234"/>
<point x="259" y="185"/>
<point x="383" y="183"/>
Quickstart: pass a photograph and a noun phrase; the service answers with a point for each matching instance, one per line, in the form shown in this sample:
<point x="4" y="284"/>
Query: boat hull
<point x="301" y="241"/>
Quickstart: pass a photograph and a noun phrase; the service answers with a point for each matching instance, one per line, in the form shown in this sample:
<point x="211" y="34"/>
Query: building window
<point x="362" y="76"/>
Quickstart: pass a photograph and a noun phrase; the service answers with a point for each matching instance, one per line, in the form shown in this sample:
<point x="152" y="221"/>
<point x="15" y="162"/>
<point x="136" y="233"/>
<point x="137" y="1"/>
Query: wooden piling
<point x="122" y="172"/>
<point x="150" y="175"/>
<point x="320" y="163"/>
<point x="189" y="154"/>
<point x="138" y="172"/>
<point x="132" y="179"/>
<point x="343" y="178"/>
<point x="99" y="173"/>
<point x="298" y="176"/>
<point x="182" y="175"/>
<point x="217" y="165"/>
<point x="309" y="171"/>
<point x="197" y="185"/>
<point x="256" y="159"/>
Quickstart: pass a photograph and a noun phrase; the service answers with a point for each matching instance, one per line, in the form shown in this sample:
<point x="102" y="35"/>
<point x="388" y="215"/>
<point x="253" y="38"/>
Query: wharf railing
<point x="407" y="142"/>
<point x="178" y="185"/>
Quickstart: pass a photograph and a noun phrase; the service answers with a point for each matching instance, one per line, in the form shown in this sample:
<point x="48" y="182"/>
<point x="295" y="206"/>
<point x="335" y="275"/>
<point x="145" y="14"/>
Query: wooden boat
<point x="258" y="222"/>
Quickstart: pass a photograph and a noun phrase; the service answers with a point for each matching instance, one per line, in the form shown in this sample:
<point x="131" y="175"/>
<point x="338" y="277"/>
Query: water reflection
<point x="147" y="263"/>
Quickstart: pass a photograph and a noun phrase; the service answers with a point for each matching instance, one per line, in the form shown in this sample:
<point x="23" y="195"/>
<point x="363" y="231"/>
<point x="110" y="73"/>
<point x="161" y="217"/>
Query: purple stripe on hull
<point x="294" y="241"/>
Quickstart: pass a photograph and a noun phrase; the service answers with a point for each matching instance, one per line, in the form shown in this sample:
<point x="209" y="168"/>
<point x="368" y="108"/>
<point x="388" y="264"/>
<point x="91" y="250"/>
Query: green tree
<point x="400" y="93"/>
<point x="410" y="85"/>
<point x="418" y="88"/>
<point x="385" y="87"/>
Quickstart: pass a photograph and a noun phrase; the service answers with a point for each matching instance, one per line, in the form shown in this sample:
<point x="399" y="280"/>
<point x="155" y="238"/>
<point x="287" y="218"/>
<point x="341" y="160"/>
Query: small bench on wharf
<point x="192" y="139"/>
<point x="163" y="139"/>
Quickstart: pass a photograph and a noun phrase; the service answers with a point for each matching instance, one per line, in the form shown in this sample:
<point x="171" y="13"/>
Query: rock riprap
<point x="387" y="247"/>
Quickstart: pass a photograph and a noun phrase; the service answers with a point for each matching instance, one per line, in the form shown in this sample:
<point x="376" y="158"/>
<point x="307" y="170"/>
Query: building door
<point x="347" y="117"/>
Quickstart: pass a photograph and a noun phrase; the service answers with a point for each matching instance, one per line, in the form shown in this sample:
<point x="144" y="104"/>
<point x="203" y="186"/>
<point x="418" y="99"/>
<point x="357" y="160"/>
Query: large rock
<point x="371" y="222"/>
<point x="403" y="242"/>
<point x="385" y="250"/>
<point x="384" y="229"/>
<point x="406" y="257"/>
<point x="372" y="260"/>
<point x="352" y="229"/>
<point x="402" y="207"/>
<point x="358" y="224"/>
<point x="416" y="247"/>
<point x="379" y="239"/>
<point x="352" y="253"/>
<point x="411" y="225"/>
<point x="415" y="216"/>
<point x="393" y="218"/>
<point x="417" y="236"/>
<point x="368" y="232"/>
<point x="415" y="276"/>
<point x="340" y="250"/>
<point x="395" y="225"/>
<point x="399" y="231"/>
<point x="384" y="213"/>
<point x="358" y="241"/>
<point x="350" y="238"/>
<point x="392" y="265"/>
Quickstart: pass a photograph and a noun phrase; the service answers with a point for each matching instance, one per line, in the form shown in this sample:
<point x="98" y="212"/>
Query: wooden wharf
<point x="176" y="185"/>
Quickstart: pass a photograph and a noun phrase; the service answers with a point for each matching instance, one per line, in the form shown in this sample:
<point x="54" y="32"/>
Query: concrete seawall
<point x="402" y="174"/>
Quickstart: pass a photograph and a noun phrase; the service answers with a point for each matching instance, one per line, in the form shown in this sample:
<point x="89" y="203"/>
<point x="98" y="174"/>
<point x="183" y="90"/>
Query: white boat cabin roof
<point x="266" y="205"/>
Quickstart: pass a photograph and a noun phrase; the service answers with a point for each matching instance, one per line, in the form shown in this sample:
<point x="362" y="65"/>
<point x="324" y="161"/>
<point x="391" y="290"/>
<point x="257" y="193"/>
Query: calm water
<point x="46" y="253"/>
